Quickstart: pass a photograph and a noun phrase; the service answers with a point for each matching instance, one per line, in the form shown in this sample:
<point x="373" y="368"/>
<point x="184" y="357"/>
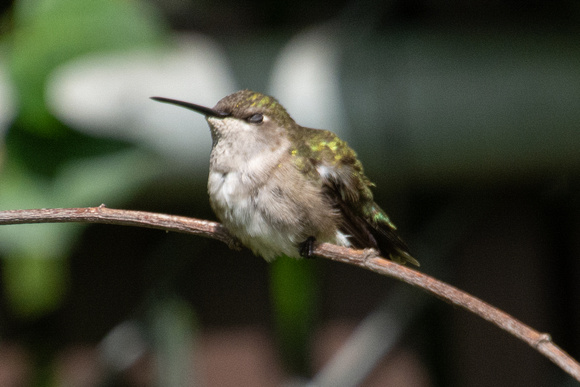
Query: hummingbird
<point x="279" y="187"/>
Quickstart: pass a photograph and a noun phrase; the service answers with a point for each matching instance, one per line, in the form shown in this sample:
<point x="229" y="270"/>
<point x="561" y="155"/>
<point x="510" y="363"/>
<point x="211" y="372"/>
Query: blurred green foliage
<point x="48" y="33"/>
<point x="48" y="164"/>
<point x="293" y="285"/>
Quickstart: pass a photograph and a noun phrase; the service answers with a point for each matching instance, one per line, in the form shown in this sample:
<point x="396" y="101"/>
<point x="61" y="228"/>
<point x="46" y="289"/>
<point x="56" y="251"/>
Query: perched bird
<point x="278" y="186"/>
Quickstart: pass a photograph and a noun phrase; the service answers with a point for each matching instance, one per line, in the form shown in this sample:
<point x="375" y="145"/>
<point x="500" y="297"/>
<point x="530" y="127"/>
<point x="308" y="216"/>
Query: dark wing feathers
<point x="321" y="152"/>
<point x="374" y="230"/>
<point x="363" y="220"/>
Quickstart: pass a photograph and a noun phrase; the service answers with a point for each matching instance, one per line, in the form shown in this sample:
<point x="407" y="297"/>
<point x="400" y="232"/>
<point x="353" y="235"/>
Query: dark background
<point x="465" y="114"/>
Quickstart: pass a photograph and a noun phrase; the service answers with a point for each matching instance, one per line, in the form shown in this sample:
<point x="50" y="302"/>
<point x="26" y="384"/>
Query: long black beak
<point x="208" y="112"/>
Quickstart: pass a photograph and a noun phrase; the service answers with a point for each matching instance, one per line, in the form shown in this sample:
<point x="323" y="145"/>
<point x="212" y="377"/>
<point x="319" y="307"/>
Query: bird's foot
<point x="370" y="253"/>
<point x="235" y="244"/>
<point x="306" y="248"/>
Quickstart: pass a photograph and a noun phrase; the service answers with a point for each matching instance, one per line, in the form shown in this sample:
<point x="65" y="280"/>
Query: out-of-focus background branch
<point x="465" y="115"/>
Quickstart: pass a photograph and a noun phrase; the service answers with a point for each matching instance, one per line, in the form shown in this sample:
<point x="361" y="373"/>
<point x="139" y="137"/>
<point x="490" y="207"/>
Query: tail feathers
<point x="376" y="231"/>
<point x="403" y="257"/>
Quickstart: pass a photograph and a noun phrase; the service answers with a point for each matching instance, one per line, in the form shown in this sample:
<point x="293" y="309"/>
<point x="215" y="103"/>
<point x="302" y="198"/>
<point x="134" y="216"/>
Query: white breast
<point x="236" y="206"/>
<point x="230" y="195"/>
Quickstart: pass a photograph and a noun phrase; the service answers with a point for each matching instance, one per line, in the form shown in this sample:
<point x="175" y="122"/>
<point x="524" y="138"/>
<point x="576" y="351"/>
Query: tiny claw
<point x="307" y="247"/>
<point x="235" y="244"/>
<point x="370" y="253"/>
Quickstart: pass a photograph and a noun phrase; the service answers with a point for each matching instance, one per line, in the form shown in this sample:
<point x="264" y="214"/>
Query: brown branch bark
<point x="367" y="259"/>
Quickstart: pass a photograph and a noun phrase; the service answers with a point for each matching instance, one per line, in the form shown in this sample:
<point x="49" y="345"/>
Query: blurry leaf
<point x="50" y="32"/>
<point x="109" y="179"/>
<point x="20" y="190"/>
<point x="33" y="285"/>
<point x="35" y="265"/>
<point x="172" y="322"/>
<point x="45" y="155"/>
<point x="294" y="289"/>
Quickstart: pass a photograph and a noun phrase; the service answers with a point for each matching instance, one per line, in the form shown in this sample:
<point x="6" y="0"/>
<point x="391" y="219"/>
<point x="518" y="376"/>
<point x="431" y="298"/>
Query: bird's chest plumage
<point x="244" y="193"/>
<point x="263" y="199"/>
<point x="248" y="212"/>
<point x="236" y="179"/>
<point x="232" y="197"/>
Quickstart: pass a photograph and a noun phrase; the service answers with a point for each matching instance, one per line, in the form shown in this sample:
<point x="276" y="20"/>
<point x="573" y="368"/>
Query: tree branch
<point x="367" y="259"/>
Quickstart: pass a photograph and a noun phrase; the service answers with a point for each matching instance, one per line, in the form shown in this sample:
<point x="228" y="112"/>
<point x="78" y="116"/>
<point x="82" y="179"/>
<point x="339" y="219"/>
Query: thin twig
<point x="367" y="259"/>
<point x="102" y="214"/>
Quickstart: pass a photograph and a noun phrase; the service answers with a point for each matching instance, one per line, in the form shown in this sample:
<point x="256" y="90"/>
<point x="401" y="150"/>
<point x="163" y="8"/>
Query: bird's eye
<point x="255" y="118"/>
